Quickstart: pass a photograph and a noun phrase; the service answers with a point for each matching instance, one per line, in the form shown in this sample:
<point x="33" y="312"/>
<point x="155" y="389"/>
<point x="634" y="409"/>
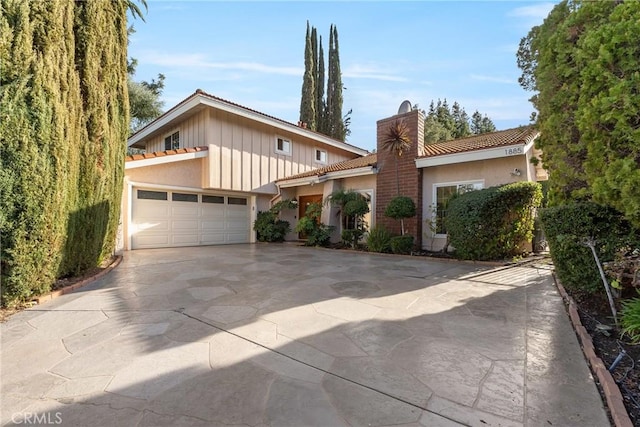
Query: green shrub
<point x="631" y="319"/>
<point x="317" y="233"/>
<point x="351" y="237"/>
<point x="493" y="223"/>
<point x="400" y="207"/>
<point x="379" y="239"/>
<point x="269" y="228"/>
<point x="567" y="226"/>
<point x="402" y="244"/>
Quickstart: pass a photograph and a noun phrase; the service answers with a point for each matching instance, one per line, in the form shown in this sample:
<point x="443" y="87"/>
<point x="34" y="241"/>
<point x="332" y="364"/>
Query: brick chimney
<point x="410" y="177"/>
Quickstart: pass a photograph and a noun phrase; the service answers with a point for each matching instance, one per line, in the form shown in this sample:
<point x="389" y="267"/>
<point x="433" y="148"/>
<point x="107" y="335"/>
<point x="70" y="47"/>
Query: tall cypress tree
<point x="321" y="120"/>
<point x="336" y="127"/>
<point x="308" y="100"/>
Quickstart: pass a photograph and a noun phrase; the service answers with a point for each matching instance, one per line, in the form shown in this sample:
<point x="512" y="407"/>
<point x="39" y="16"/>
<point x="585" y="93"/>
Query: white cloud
<point x="359" y="71"/>
<point x="492" y="79"/>
<point x="199" y="60"/>
<point x="532" y="15"/>
<point x="537" y="11"/>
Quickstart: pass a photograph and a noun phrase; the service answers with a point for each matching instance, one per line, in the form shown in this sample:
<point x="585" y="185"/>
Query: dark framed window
<point x="237" y="201"/>
<point x="184" y="197"/>
<point x="152" y="195"/>
<point x="213" y="199"/>
<point x="321" y="156"/>
<point x="283" y="146"/>
<point x="172" y="142"/>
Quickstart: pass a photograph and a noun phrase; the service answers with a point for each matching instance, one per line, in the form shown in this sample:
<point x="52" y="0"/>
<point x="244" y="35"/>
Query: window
<point x="321" y="156"/>
<point x="213" y="199"/>
<point x="152" y="195"/>
<point x="184" y="197"/>
<point x="237" y="201"/>
<point x="443" y="194"/>
<point x="283" y="146"/>
<point x="172" y="142"/>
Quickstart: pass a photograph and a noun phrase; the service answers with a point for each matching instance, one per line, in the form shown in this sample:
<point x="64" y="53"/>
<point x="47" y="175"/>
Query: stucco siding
<point x="187" y="173"/>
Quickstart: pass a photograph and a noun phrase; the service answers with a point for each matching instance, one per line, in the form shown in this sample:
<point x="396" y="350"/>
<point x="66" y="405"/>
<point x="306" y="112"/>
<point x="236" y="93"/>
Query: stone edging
<point x="68" y="289"/>
<point x="612" y="394"/>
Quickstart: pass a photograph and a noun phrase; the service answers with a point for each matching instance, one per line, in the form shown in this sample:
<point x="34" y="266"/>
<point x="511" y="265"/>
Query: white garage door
<point x="165" y="219"/>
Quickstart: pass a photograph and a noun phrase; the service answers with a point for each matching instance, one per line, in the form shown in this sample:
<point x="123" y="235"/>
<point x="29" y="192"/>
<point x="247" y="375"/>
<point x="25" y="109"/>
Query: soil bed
<point x="597" y="319"/>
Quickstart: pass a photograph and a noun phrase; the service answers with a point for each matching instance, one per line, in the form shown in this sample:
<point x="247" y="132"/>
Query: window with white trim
<point x="283" y="146"/>
<point x="172" y="142"/>
<point x="442" y="193"/>
<point x="320" y="156"/>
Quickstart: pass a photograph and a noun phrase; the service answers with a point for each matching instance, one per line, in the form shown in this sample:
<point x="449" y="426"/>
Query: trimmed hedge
<point x="493" y="223"/>
<point x="65" y="121"/>
<point x="566" y="228"/>
<point x="402" y="244"/>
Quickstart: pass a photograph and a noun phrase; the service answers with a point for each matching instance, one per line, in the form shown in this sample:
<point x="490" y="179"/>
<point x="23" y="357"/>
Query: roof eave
<point x="504" y="151"/>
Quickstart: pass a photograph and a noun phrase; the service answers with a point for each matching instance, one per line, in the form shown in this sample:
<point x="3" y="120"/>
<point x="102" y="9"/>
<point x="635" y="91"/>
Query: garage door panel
<point x="186" y="239"/>
<point x="209" y="238"/>
<point x="152" y="227"/>
<point x="172" y="221"/>
<point x="186" y="224"/>
<point x="237" y="237"/>
<point x="150" y="240"/>
<point x="211" y="225"/>
<point x="183" y="209"/>
<point x="151" y="209"/>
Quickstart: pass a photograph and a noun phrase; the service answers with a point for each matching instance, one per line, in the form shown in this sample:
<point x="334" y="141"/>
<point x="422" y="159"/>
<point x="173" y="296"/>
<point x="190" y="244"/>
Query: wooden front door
<point x="303" y="203"/>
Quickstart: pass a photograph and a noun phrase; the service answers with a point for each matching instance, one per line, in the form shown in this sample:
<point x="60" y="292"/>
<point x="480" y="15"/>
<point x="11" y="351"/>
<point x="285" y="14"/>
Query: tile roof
<point x="360" y="162"/>
<point x="520" y="135"/>
<point x="157" y="154"/>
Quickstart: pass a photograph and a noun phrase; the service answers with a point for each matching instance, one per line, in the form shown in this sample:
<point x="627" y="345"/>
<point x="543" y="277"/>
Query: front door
<point x="303" y="203"/>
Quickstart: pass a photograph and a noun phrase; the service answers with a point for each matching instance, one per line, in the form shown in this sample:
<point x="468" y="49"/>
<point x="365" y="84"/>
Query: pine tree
<point x="476" y="123"/>
<point x="461" y="121"/>
<point x="308" y="101"/>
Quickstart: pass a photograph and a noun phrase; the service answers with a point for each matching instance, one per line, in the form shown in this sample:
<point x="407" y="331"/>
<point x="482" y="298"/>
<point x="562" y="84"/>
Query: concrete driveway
<point x="263" y="335"/>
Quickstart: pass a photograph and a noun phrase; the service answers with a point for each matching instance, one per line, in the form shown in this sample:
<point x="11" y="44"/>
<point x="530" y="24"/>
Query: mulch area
<point x="612" y="347"/>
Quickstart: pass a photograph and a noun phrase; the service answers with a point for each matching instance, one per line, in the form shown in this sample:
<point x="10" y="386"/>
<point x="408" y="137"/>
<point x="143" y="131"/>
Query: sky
<point x="252" y="53"/>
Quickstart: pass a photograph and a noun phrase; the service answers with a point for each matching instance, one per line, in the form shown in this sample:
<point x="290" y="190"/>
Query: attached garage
<point x="165" y="218"/>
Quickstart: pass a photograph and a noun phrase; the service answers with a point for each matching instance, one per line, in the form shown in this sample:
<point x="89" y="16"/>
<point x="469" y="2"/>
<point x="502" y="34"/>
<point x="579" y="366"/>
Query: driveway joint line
<point x="375" y="390"/>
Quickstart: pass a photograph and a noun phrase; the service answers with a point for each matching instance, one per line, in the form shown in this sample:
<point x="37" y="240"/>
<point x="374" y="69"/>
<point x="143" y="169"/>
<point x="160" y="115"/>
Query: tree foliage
<point x="582" y="63"/>
<point x="443" y="123"/>
<point x="319" y="112"/>
<point x="64" y="126"/>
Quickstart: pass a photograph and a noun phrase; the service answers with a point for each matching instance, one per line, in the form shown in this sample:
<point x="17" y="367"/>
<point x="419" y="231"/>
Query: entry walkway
<point x="267" y="335"/>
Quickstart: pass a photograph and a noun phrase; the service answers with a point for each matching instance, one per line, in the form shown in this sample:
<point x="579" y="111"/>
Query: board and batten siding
<point x="242" y="154"/>
<point x="192" y="133"/>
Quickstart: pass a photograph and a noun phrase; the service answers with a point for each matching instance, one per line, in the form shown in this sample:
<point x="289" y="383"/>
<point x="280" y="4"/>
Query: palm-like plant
<point x="397" y="140"/>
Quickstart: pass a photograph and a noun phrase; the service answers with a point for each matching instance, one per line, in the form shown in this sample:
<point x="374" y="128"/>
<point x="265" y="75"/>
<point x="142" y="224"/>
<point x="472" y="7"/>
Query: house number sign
<point x="513" y="151"/>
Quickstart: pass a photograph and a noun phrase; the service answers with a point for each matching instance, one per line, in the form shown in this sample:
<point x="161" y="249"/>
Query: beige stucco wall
<point x="186" y="173"/>
<point x="491" y="172"/>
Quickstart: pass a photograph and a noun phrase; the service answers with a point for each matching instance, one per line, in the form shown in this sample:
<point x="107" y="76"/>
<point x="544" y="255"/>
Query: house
<point x="210" y="165"/>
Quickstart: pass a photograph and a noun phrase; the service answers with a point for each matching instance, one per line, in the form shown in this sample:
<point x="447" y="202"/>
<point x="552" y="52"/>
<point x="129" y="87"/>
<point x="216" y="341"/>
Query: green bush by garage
<point x="493" y="223"/>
